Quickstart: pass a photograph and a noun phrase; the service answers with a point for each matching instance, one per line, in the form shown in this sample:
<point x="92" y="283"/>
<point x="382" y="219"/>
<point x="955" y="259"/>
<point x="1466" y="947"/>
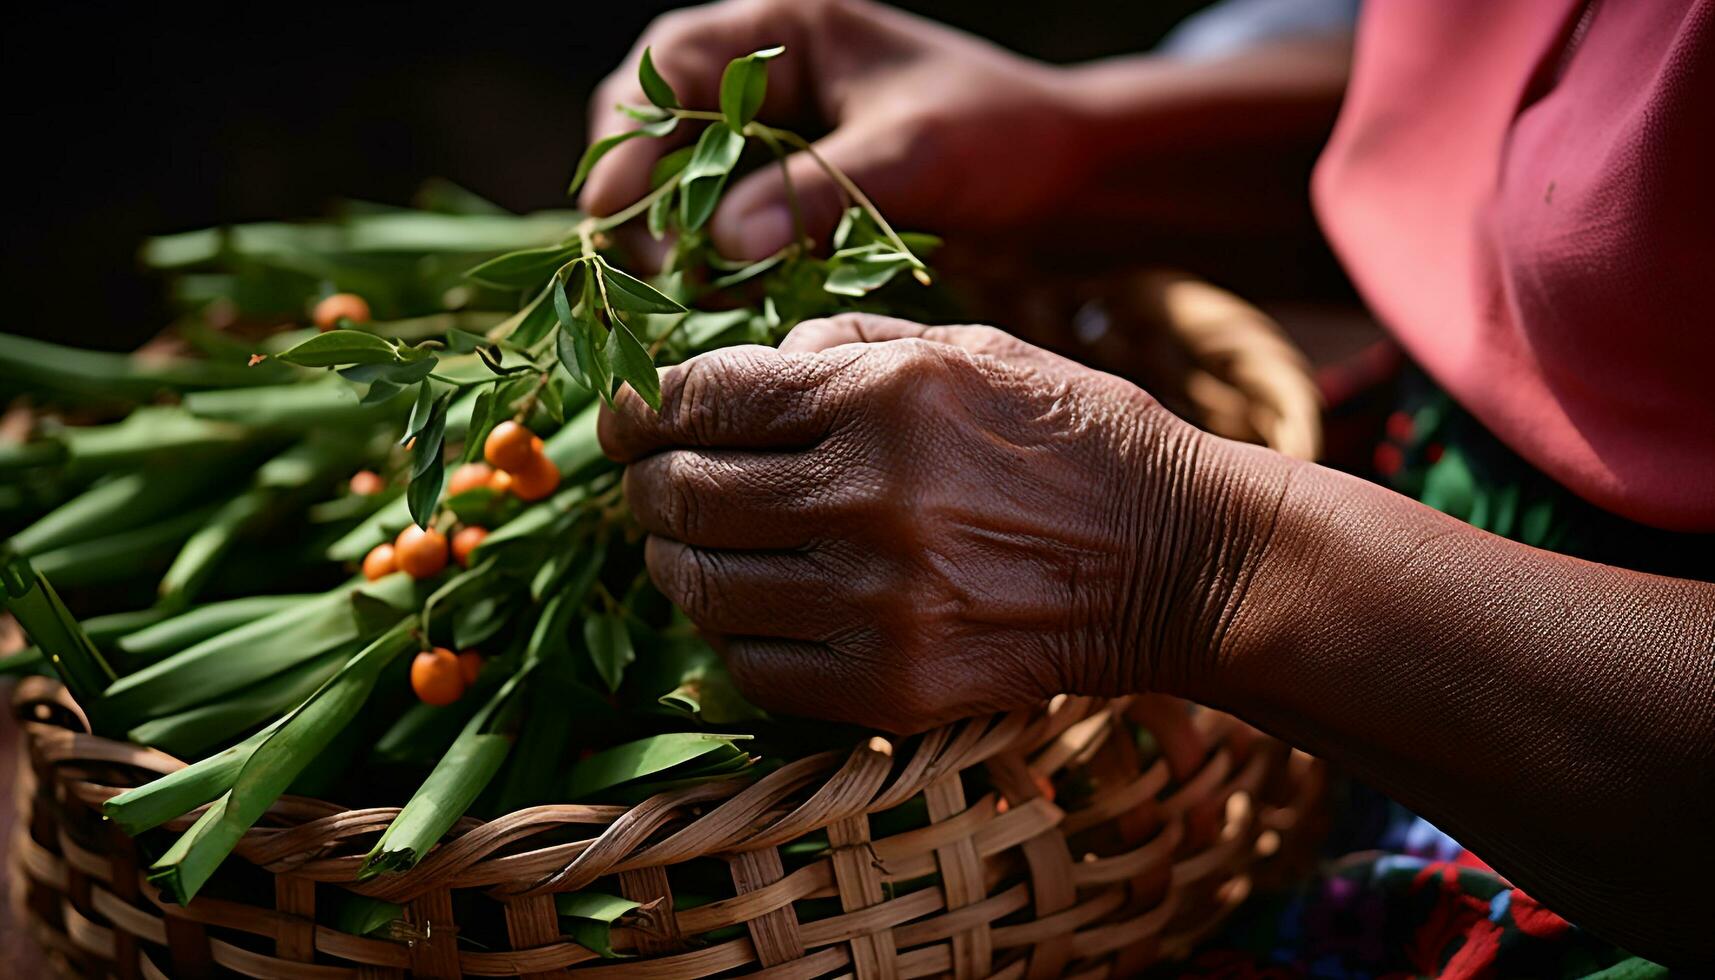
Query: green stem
<point x="618" y="218"/>
<point x="852" y="190"/>
<point x="803" y="233"/>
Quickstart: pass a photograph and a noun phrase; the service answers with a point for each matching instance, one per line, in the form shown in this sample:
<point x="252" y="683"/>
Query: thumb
<point x="754" y="219"/>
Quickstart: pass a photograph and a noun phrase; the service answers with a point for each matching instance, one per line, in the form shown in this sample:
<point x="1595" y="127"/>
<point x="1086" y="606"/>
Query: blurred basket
<point x="1087" y="838"/>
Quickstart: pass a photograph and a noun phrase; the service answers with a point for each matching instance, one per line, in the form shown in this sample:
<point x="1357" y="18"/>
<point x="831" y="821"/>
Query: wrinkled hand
<point x="944" y="131"/>
<point x="902" y="525"/>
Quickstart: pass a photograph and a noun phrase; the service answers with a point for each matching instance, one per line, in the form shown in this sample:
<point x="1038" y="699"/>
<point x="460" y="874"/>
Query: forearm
<point x="1555" y="715"/>
<point x="1221" y="145"/>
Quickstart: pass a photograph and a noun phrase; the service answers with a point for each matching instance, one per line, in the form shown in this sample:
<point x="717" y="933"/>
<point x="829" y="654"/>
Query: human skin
<point x="949" y="133"/>
<point x="941" y="521"/>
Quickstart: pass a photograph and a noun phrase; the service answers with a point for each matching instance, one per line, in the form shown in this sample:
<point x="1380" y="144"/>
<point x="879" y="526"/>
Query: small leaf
<point x="530" y="324"/>
<point x="600" y="147"/>
<point x="463" y="341"/>
<point x="660" y="210"/>
<point x="380" y="391"/>
<point x="551" y="402"/>
<point x="420" y="410"/>
<point x="654" y="85"/>
<point x="409" y="374"/>
<point x="642" y="113"/>
<point x="716" y="153"/>
<point x="646" y="757"/>
<point x="591" y="918"/>
<point x="744" y="85"/>
<point x="431" y="437"/>
<point x="862" y="277"/>
<point x="522" y="269"/>
<point x="610" y="647"/>
<point x="340" y="347"/>
<point x="424" y="491"/>
<point x="629" y="293"/>
<point x="669" y="165"/>
<point x="630" y="361"/>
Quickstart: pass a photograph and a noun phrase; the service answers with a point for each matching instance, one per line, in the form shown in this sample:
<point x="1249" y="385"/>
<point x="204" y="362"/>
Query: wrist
<point x="1207" y="522"/>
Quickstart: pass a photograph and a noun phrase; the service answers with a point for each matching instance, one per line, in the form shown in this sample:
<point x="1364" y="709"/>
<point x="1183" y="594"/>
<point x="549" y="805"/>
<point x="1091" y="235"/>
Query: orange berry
<point x="537" y="445"/>
<point x="469" y="477"/>
<point x="437" y="677"/>
<point x="536" y="480"/>
<point x="381" y="561"/>
<point x="466" y="541"/>
<point x="367" y="482"/>
<point x="340" y="306"/>
<point x="508" y="446"/>
<point x="422" y="552"/>
<point x="500" y="482"/>
<point x="470" y="665"/>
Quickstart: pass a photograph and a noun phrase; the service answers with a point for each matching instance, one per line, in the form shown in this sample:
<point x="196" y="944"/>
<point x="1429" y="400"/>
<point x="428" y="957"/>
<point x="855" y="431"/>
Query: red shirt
<point x="1524" y="192"/>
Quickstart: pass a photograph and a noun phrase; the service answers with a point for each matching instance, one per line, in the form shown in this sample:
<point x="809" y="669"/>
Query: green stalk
<point x="271" y="767"/>
<point x="101" y="630"/>
<point x="450" y="789"/>
<point x="114" y="505"/>
<point x="44" y="617"/>
<point x="37" y="364"/>
<point x="231" y="661"/>
<point x="296" y="407"/>
<point x="277" y="484"/>
<point x="151" y="643"/>
<point x="199" y="729"/>
<point x="123" y="555"/>
<point x="373" y="530"/>
<point x="150" y="435"/>
<point x="182" y="790"/>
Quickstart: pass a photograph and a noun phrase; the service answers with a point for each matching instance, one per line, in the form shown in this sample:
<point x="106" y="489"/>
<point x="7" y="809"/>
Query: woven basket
<point x="1087" y="838"/>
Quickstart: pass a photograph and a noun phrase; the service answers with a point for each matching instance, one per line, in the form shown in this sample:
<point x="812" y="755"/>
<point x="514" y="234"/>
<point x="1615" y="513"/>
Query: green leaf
<point x="863" y="275"/>
<point x="431" y="437"/>
<point x="610" y="647"/>
<point x="669" y="165"/>
<point x="552" y="404"/>
<point x="230" y="661"/>
<point x="169" y="636"/>
<point x="425" y="490"/>
<point x="194" y="731"/>
<point x="118" y="503"/>
<point x="523" y="269"/>
<point x="38" y="609"/>
<point x="631" y="361"/>
<point x="380" y="391"/>
<point x="463" y="341"/>
<point x="360" y="915"/>
<point x="182" y="790"/>
<point x="629" y="293"/>
<point x="643" y="113"/>
<point x="660" y="212"/>
<point x="593" y="916"/>
<point x="301" y="737"/>
<point x="716" y="153"/>
<point x="340" y="347"/>
<point x="449" y="790"/>
<point x="421" y="409"/>
<point x="600" y="147"/>
<point x="645" y="757"/>
<point x="744" y="85"/>
<point x="654" y="85"/>
<point x="530" y="324"/>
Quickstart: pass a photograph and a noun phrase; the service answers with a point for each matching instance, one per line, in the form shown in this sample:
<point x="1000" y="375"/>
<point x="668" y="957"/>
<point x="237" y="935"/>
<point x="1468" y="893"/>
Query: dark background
<point x="126" y="122"/>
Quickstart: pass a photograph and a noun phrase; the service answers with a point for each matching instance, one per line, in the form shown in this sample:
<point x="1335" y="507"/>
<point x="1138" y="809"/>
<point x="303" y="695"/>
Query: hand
<point x="903" y="525"/>
<point x="944" y="131"/>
